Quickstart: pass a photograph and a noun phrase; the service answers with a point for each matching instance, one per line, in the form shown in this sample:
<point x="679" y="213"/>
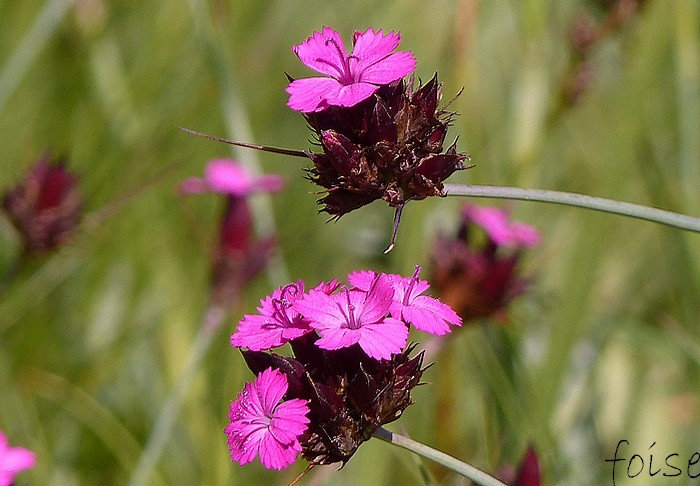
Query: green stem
<point x="169" y="413"/>
<point x="669" y="218"/>
<point x="45" y="25"/>
<point x="476" y="475"/>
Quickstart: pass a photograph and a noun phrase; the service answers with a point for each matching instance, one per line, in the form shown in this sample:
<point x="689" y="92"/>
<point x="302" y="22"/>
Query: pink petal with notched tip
<point x="389" y="69"/>
<point x="323" y="56"/>
<point x="311" y="94"/>
<point x="371" y="46"/>
<point x="430" y="315"/>
<point x="361" y="279"/>
<point x="383" y="339"/>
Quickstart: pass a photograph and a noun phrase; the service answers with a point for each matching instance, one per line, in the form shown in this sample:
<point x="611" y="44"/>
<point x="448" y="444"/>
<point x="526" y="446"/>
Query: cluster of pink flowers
<point x="349" y="343"/>
<point x="374" y="313"/>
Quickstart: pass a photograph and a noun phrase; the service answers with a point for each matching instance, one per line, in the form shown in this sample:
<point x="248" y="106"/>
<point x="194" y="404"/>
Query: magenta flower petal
<point x="377" y="300"/>
<point x="389" y="69"/>
<point x="361" y="279"/>
<point x="310" y="94"/>
<point x="319" y="308"/>
<point x="425" y="313"/>
<point x="13" y="460"/>
<point x="430" y="315"/>
<point x="497" y="224"/>
<point x="525" y="234"/>
<point x="323" y="52"/>
<point x="370" y="46"/>
<point x="382" y="340"/>
<point x="328" y="287"/>
<point x="337" y="337"/>
<point x="263" y="426"/>
<point x="351" y="94"/>
<point x="226" y="176"/>
<point x="277" y="322"/>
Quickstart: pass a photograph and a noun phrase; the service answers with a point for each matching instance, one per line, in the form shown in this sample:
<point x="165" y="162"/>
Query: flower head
<point x="261" y="424"/>
<point x="475" y="280"/>
<point x="356" y="317"/>
<point x="349" y="394"/>
<point x="238" y="258"/>
<point x="277" y="323"/>
<point x="226" y="176"/>
<point x="13" y="460"/>
<point x="45" y="206"/>
<point x="353" y="78"/>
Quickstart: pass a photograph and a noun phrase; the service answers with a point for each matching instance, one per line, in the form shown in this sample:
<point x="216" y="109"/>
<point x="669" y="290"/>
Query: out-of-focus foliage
<point x="605" y="346"/>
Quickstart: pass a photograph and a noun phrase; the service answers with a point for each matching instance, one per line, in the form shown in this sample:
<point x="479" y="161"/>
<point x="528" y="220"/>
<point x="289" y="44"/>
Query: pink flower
<point x="261" y="424"/>
<point x="353" y="77"/>
<point x="227" y="176"/>
<point x="356" y="317"/>
<point x="501" y="230"/>
<point x="13" y="460"/>
<point x="426" y="313"/>
<point x="277" y="323"/>
<point x="238" y="258"/>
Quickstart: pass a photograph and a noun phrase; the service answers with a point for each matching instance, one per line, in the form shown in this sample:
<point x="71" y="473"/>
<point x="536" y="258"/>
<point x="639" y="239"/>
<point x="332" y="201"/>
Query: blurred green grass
<point x="92" y="338"/>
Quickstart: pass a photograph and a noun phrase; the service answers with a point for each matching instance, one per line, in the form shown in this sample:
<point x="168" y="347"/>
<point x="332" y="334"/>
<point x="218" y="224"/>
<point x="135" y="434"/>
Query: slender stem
<point x="44" y="27"/>
<point x="669" y="218"/>
<point x="170" y="410"/>
<point x="263" y="148"/>
<point x="476" y="475"/>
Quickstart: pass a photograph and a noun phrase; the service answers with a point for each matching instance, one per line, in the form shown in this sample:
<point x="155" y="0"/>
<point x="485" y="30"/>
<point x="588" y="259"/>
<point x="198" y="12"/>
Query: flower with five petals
<point x="353" y="78"/>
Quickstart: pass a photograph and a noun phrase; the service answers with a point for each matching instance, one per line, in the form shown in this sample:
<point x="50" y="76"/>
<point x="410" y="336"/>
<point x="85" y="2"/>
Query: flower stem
<point x="169" y="413"/>
<point x="476" y="475"/>
<point x="669" y="218"/>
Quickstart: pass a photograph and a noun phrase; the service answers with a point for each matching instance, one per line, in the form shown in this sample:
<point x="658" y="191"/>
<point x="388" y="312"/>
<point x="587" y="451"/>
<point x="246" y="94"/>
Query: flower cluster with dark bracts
<point x="381" y="137"/>
<point x="350" y="363"/>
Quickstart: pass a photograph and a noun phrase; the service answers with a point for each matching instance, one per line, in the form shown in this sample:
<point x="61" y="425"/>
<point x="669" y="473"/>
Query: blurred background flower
<point x="45" y="205"/>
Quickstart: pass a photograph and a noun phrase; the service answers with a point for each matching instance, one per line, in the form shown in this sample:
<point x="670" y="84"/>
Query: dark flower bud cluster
<point x="349" y="394"/>
<point x="45" y="206"/>
<point x="389" y="146"/>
